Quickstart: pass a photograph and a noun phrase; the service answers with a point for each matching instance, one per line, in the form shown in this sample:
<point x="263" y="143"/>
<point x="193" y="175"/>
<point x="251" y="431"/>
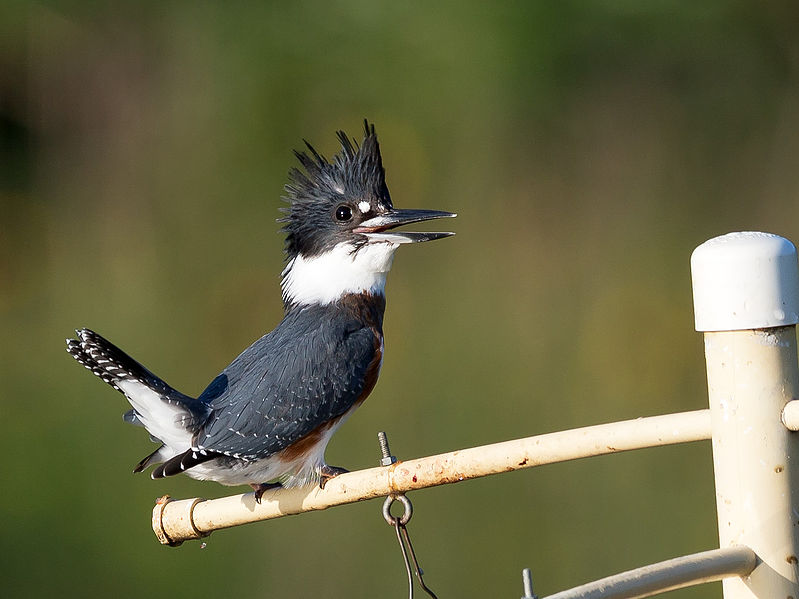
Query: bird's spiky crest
<point x="355" y="172"/>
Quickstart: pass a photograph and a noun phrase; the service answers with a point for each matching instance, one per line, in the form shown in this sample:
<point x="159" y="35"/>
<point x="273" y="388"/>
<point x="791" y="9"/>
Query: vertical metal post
<point x="746" y="301"/>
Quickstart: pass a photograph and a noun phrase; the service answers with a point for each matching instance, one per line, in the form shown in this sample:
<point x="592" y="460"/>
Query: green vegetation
<point x="587" y="147"/>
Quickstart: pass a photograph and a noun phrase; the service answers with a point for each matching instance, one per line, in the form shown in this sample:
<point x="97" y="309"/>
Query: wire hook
<point x="404" y="539"/>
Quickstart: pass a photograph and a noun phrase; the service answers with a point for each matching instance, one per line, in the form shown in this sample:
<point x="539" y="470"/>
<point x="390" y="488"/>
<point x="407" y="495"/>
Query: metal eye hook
<point x="403" y="538"/>
<point x="406" y="515"/>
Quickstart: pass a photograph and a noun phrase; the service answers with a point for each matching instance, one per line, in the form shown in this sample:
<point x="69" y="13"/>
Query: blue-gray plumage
<point x="270" y="414"/>
<point x="313" y="368"/>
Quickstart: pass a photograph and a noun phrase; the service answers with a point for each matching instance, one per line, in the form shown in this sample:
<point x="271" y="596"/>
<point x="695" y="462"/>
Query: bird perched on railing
<point x="271" y="413"/>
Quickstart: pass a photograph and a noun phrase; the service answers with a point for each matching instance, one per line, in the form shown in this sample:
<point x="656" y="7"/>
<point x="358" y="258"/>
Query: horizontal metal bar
<point x="689" y="570"/>
<point x="177" y="521"/>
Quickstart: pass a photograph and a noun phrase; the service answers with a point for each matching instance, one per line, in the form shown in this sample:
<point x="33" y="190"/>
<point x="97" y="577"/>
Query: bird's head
<point x="339" y="223"/>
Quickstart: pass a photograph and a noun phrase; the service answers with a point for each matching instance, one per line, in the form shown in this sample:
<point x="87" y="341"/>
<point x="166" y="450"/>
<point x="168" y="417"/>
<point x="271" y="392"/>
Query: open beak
<point x="375" y="228"/>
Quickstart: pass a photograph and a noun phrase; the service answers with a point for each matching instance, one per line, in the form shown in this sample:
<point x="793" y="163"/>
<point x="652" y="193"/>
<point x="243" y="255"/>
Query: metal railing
<point x="746" y="302"/>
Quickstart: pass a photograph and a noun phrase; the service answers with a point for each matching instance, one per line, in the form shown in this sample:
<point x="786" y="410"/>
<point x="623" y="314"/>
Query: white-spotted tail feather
<point x="168" y="415"/>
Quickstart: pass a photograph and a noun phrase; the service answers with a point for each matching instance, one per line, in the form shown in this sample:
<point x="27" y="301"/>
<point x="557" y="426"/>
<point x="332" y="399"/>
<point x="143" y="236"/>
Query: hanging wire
<point x="405" y="558"/>
<point x="404" y="539"/>
<point x="417" y="569"/>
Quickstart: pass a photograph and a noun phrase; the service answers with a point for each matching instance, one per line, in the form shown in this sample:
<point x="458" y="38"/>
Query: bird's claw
<point x="327" y="472"/>
<point x="261" y="488"/>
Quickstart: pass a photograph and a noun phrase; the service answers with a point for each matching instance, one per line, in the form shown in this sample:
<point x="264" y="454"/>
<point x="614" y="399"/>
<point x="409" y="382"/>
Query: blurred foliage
<point x="588" y="148"/>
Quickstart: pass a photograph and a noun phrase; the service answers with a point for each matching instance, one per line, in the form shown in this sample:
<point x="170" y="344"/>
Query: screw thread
<point x="383" y="440"/>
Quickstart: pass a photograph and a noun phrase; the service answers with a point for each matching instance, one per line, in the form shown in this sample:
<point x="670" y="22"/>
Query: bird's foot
<point x="327" y="472"/>
<point x="261" y="488"/>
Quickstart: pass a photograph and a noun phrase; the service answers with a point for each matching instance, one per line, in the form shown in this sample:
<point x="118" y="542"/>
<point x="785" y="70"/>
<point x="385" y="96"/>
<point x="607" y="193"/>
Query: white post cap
<point x="746" y="280"/>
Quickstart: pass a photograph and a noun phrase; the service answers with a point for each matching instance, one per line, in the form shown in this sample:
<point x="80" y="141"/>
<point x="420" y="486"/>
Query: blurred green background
<point x="588" y="149"/>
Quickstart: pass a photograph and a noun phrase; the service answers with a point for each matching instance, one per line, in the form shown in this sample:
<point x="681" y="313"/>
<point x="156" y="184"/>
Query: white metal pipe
<point x="177" y="521"/>
<point x="689" y="570"/>
<point x="790" y="415"/>
<point x="746" y="297"/>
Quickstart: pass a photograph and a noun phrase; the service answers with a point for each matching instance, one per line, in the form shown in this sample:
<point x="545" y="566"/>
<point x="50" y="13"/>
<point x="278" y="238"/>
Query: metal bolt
<point x="388" y="459"/>
<point x="527" y="579"/>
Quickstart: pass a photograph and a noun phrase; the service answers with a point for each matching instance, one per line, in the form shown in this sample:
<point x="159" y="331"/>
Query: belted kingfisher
<point x="271" y="413"/>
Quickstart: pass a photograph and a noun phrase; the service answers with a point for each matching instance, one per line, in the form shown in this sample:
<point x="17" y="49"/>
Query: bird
<point x="267" y="418"/>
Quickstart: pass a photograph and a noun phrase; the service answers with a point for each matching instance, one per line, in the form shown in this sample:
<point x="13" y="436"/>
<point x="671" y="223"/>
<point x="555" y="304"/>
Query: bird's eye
<point x="343" y="213"/>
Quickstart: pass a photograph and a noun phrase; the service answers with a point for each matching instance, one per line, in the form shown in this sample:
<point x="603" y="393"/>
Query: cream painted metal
<point x="181" y="520"/>
<point x="677" y="573"/>
<point x="746" y="299"/>
<point x="790" y="415"/>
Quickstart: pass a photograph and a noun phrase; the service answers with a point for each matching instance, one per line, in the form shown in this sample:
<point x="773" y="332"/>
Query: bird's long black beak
<point x="375" y="228"/>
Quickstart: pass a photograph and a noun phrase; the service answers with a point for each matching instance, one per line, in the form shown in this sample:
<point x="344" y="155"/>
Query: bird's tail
<point x="168" y="415"/>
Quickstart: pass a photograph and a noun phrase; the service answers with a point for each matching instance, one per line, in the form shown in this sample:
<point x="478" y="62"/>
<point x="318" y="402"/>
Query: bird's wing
<point x="303" y="374"/>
